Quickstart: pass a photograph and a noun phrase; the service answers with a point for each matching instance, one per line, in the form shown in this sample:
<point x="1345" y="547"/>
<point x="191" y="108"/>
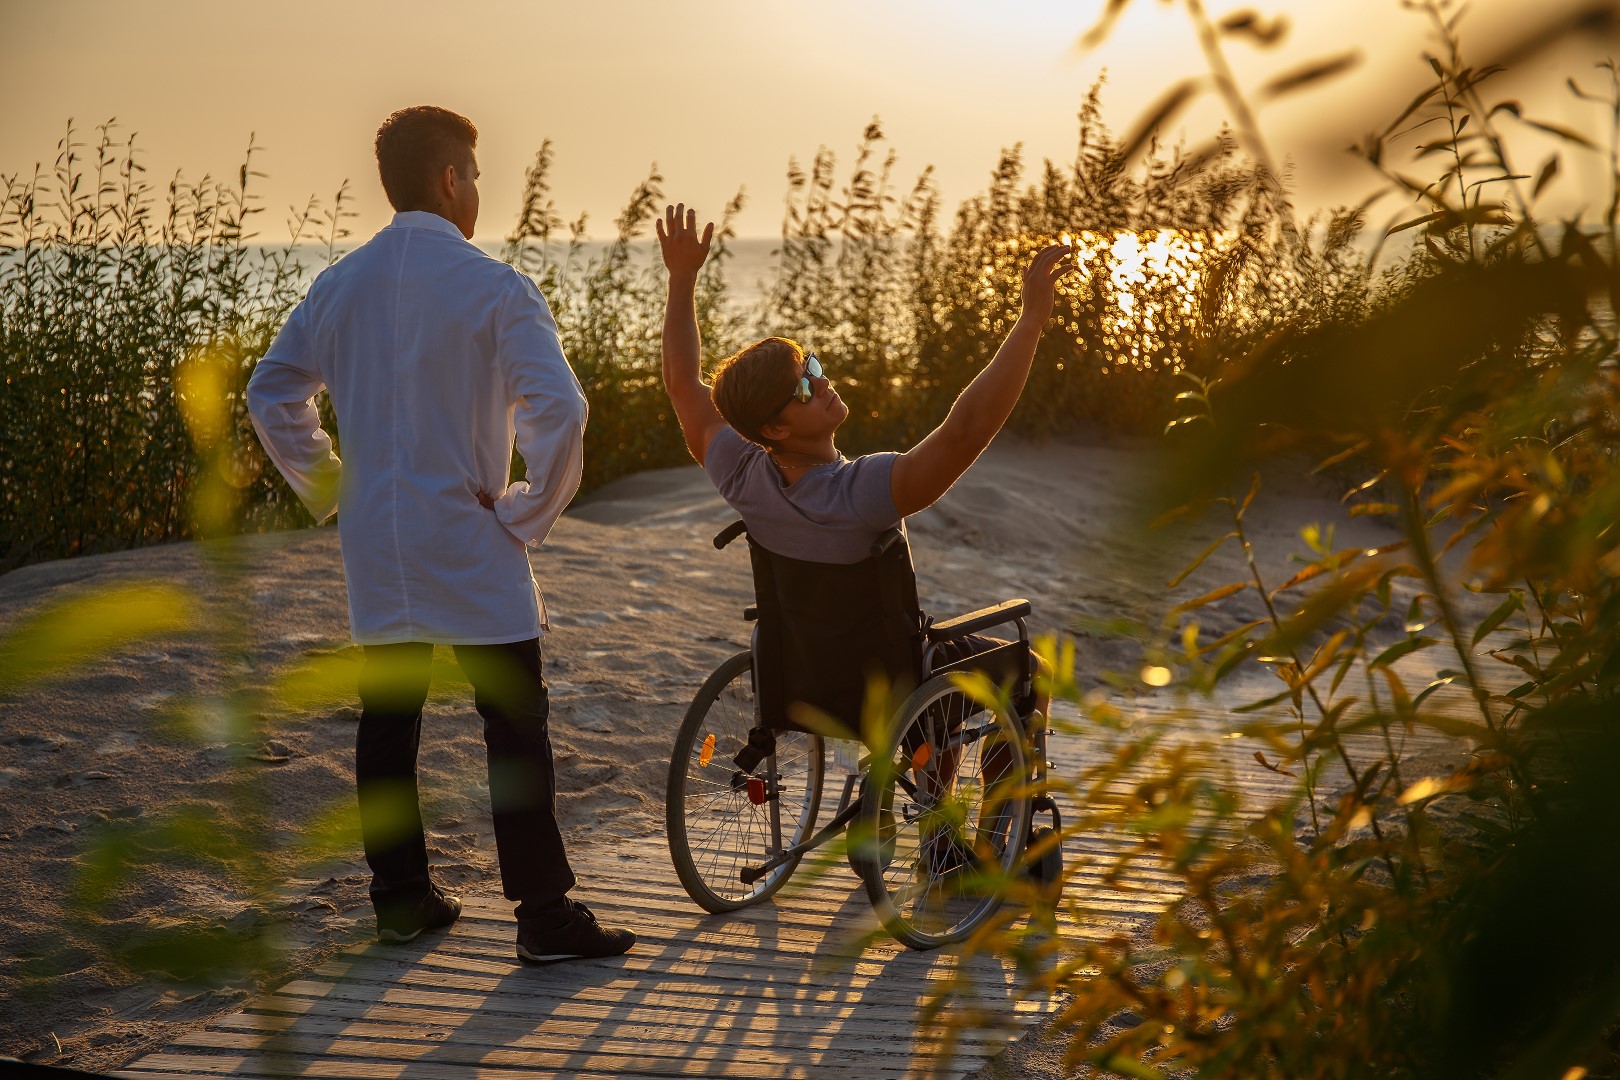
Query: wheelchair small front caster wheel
<point x="1045" y="865"/>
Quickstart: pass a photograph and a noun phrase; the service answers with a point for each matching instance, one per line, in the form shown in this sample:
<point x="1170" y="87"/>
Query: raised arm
<point x="684" y="251"/>
<point x="926" y="471"/>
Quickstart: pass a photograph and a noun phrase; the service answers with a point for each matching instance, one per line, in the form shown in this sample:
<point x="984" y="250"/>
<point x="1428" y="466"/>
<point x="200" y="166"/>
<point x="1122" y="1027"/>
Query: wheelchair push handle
<point x="885" y="542"/>
<point x="730" y="533"/>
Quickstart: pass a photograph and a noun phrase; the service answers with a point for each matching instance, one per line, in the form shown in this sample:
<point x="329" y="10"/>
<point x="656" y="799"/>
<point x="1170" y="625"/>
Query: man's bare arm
<point x="684" y="251"/>
<point x="926" y="471"/>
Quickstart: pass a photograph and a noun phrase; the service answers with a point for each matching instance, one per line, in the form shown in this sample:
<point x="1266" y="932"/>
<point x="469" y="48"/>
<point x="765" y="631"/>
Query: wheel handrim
<point x="958" y="813"/>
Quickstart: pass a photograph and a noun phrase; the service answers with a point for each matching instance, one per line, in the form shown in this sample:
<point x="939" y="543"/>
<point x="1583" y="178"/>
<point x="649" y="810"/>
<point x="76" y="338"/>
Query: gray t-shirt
<point x="832" y="514"/>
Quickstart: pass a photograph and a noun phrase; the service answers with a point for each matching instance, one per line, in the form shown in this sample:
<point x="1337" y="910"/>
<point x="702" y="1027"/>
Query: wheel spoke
<point x="946" y="817"/>
<point x="715" y="830"/>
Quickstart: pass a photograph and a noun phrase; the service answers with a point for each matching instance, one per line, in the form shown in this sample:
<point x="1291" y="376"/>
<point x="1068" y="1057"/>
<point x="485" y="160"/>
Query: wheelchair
<point x="937" y="804"/>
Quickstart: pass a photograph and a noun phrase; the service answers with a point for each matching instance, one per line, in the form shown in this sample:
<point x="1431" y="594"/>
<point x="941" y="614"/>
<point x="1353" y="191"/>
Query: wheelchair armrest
<point x="974" y="621"/>
<point x="730" y="533"/>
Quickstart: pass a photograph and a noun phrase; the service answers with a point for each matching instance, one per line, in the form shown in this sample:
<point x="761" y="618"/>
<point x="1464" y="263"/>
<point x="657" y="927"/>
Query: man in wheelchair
<point x="833" y="577"/>
<point x="765" y="433"/>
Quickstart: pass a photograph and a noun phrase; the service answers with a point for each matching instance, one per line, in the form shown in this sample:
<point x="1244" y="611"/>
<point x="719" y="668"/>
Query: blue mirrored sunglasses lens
<point x="812" y="369"/>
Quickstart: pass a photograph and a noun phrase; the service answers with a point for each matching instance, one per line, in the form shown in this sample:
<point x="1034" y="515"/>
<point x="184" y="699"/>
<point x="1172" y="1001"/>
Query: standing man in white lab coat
<point x="436" y="357"/>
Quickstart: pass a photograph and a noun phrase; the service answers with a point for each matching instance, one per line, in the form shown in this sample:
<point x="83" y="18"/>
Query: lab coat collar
<point x="424" y="219"/>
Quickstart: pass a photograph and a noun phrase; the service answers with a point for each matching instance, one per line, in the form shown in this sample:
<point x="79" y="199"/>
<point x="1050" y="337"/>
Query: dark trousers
<point x="510" y="694"/>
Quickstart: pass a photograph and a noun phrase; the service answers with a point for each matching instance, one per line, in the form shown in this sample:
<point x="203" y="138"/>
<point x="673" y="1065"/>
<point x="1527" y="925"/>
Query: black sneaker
<point x="397" y="924"/>
<point x="577" y="939"/>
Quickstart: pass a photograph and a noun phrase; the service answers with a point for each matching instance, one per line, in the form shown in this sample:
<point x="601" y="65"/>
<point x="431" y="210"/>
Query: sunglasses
<point x="803" y="391"/>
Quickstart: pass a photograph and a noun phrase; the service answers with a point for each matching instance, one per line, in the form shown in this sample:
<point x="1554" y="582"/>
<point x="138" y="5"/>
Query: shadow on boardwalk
<point x="805" y="985"/>
<point x="799" y="987"/>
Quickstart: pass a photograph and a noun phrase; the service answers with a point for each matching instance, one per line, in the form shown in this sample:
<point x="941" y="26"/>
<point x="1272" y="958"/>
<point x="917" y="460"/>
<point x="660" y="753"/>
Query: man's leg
<point x="511" y="696"/>
<point x="393" y="687"/>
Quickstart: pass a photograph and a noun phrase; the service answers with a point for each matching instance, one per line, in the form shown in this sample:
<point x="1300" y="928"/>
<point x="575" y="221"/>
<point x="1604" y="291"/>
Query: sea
<point x="750" y="262"/>
<point x="750" y="265"/>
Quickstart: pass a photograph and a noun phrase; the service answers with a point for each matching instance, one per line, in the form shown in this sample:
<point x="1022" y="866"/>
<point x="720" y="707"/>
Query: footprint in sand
<point x="34" y="741"/>
<point x="120" y="742"/>
<point x="655" y="608"/>
<point x="584" y="618"/>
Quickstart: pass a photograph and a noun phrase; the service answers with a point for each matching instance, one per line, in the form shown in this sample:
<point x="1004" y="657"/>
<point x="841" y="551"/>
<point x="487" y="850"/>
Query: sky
<point x="718" y="94"/>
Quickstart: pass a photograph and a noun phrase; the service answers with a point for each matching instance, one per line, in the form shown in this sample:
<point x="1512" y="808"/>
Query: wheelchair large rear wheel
<point x="720" y="820"/>
<point x="945" y="816"/>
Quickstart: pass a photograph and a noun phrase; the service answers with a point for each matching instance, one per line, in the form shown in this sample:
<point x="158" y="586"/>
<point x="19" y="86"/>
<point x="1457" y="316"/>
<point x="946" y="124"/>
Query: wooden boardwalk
<point x="802" y="986"/>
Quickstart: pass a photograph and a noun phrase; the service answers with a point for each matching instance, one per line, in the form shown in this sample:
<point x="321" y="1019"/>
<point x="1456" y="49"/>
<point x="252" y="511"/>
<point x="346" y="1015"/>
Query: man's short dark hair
<point x="413" y="147"/>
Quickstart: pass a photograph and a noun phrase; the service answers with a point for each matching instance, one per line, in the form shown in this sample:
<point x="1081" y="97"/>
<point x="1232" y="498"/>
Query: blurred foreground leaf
<point x="87" y="626"/>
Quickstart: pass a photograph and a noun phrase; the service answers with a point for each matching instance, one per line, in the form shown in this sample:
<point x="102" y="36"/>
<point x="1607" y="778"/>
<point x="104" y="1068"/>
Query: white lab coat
<point x="436" y="357"/>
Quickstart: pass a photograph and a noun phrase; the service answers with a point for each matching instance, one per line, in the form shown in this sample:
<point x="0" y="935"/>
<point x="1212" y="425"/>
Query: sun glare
<point x="1143" y="285"/>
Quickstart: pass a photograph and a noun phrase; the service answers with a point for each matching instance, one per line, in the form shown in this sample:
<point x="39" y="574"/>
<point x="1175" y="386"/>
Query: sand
<point x="642" y="608"/>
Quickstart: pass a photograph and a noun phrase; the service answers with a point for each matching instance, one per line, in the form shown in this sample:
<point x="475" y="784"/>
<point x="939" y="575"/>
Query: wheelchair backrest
<point x="826" y="630"/>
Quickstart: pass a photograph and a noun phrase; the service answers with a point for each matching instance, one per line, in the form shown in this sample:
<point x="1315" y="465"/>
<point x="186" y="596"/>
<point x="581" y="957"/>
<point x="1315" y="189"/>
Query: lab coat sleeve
<point x="549" y="413"/>
<point x="281" y="399"/>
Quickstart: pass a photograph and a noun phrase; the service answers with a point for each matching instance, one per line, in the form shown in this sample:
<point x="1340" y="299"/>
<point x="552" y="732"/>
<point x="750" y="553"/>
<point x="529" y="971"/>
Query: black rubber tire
<point x="1045" y="868"/>
<point x="714" y="830"/>
<point x="917" y="894"/>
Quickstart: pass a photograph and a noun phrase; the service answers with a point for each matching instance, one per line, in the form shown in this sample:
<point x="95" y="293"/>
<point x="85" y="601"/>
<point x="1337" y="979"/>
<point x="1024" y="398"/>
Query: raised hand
<point x="684" y="250"/>
<point x="1045" y="270"/>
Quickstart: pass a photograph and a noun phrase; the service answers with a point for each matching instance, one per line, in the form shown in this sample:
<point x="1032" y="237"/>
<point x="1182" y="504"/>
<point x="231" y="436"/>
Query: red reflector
<point x="756" y="791"/>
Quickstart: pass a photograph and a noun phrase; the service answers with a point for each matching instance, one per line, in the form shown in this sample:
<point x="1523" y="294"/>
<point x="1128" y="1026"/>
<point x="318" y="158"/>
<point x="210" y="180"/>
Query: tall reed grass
<point x="109" y="288"/>
<point x="1391" y="915"/>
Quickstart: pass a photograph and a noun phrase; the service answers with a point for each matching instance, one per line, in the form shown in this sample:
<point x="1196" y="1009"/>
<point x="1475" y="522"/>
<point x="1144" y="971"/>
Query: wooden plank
<point x="620" y="1040"/>
<point x="815" y="906"/>
<point x="581" y="1019"/>
<point x="703" y="1059"/>
<point x="718" y="967"/>
<point x="698" y="993"/>
<point x="881" y="1058"/>
<point x="728" y="1012"/>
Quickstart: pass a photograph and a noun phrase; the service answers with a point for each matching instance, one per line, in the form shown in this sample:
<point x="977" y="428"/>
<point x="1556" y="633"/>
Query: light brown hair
<point x="751" y="387"/>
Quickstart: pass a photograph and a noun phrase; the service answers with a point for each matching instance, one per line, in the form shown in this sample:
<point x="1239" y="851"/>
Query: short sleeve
<point x="871" y="497"/>
<point x="723" y="461"/>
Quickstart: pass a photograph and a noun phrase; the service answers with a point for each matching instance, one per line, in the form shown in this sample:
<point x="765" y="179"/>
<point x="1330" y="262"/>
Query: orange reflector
<point x="921" y="756"/>
<point x="707" y="753"/>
